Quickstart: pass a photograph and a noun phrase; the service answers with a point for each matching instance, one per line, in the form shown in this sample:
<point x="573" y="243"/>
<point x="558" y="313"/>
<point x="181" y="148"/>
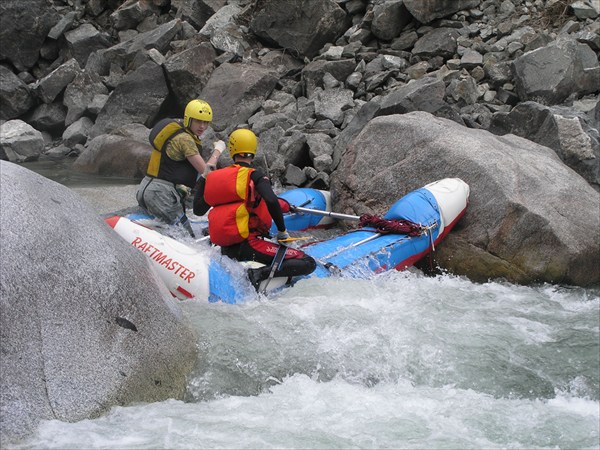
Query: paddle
<point x="381" y="225"/>
<point x="277" y="260"/>
<point x="356" y="244"/>
<point x="185" y="223"/>
<point x="318" y="212"/>
<point x="292" y="239"/>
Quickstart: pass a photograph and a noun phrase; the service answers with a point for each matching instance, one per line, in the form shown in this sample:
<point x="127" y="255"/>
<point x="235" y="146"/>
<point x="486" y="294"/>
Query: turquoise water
<point x="401" y="361"/>
<point x="62" y="172"/>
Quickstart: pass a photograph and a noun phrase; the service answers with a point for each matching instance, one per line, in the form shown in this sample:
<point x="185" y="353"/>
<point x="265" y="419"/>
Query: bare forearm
<point x="199" y="163"/>
<point x="214" y="157"/>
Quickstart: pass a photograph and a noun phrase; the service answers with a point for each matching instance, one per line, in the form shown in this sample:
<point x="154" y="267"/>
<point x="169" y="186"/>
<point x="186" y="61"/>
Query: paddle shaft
<point x="277" y="260"/>
<point x="356" y="244"/>
<point x="318" y="212"/>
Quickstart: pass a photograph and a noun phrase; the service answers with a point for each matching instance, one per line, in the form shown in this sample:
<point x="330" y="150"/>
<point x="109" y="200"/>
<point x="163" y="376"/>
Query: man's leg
<point x="162" y="201"/>
<point x="295" y="263"/>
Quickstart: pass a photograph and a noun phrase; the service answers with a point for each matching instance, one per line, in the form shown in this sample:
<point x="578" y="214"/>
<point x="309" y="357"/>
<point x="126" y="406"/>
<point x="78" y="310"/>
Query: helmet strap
<point x="244" y="155"/>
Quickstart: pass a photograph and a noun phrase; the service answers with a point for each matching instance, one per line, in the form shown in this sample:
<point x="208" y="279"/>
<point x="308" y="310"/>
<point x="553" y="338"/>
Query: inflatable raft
<point x="426" y="214"/>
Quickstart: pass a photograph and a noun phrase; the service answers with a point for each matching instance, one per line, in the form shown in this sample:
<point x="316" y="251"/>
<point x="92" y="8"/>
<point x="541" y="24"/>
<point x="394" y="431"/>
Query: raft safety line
<point x="427" y="230"/>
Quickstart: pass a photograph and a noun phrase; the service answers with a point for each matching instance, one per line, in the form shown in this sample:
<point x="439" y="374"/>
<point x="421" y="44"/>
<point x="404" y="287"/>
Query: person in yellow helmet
<point x="243" y="208"/>
<point x="176" y="163"/>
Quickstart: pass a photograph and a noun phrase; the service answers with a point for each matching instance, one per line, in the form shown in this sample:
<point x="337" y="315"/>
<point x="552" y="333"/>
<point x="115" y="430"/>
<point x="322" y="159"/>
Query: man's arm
<point x="183" y="146"/>
<point x="200" y="205"/>
<point x="264" y="189"/>
<point x="200" y="165"/>
<point x="197" y="162"/>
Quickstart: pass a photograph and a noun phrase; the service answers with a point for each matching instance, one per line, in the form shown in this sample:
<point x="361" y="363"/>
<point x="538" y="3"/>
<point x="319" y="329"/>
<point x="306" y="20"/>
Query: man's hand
<point x="219" y="146"/>
<point x="183" y="190"/>
<point x="209" y="168"/>
<point x="282" y="236"/>
<point x="284" y="204"/>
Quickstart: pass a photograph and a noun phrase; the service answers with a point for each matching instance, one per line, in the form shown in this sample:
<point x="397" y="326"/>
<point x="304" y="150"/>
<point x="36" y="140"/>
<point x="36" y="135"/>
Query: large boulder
<point x="80" y="93"/>
<point x="84" y="40"/>
<point x="20" y="142"/>
<point x="389" y="18"/>
<point x="49" y="87"/>
<point x="15" y="96"/>
<point x="114" y="156"/>
<point x="197" y="13"/>
<point x="130" y="14"/>
<point x="530" y="219"/>
<point x="48" y="117"/>
<point x="158" y="38"/>
<point x="437" y="42"/>
<point x="24" y="25"/>
<point x="574" y="136"/>
<point x="85" y="322"/>
<point x="568" y="67"/>
<point x="426" y="11"/>
<point x="425" y="94"/>
<point x="236" y="91"/>
<point x="188" y="71"/>
<point x="302" y="26"/>
<point x="138" y="98"/>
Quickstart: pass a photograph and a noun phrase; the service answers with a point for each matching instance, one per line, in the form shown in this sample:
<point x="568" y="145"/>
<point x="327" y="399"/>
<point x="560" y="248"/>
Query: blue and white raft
<point x="191" y="272"/>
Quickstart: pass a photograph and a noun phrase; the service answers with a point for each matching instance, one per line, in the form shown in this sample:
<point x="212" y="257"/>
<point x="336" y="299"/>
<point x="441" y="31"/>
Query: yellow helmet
<point x="242" y="141"/>
<point x="197" y="109"/>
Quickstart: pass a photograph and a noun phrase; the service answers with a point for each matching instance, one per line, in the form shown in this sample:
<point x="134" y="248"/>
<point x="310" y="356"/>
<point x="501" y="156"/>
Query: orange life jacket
<point x="237" y="209"/>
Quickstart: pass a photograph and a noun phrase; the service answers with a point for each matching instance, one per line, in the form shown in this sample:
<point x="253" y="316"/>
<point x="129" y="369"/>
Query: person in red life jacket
<point x="175" y="163"/>
<point x="243" y="208"/>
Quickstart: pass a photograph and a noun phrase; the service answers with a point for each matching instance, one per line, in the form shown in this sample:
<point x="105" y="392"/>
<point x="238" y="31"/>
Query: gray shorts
<point x="161" y="199"/>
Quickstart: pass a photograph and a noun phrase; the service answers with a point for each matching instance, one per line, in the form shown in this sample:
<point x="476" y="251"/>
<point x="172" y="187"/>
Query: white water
<point x="401" y="361"/>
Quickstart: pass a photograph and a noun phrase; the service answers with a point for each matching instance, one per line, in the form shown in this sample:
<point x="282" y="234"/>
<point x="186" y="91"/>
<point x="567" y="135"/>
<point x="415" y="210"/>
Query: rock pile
<point x="304" y="75"/>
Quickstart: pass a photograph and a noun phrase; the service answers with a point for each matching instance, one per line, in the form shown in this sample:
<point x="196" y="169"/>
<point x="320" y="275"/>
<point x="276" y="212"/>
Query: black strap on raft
<point x="390" y="226"/>
<point x="277" y="260"/>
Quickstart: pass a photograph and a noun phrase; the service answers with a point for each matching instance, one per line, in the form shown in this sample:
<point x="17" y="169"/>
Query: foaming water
<point x="399" y="361"/>
<point x="304" y="413"/>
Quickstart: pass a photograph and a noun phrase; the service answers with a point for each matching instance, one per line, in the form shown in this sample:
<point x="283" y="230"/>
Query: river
<point x="399" y="361"/>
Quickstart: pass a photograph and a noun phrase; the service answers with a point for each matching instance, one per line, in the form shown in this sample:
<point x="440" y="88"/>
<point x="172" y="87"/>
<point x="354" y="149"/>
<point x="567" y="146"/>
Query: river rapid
<point x="402" y="360"/>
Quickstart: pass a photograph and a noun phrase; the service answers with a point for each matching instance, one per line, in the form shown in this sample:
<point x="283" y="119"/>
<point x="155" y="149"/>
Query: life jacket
<point x="237" y="209"/>
<point x="165" y="168"/>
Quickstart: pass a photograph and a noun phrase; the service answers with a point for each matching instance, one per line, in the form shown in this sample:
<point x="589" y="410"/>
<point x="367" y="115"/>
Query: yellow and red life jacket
<point x="237" y="209"/>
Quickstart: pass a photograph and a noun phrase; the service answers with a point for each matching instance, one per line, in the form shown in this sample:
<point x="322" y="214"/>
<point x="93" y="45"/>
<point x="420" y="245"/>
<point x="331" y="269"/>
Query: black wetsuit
<point x="255" y="248"/>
